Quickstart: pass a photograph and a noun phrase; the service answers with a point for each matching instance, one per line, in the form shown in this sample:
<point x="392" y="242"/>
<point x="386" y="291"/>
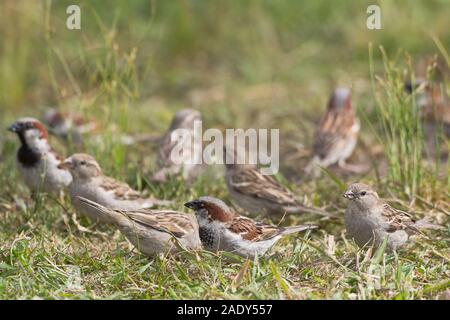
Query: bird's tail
<point x="426" y="224"/>
<point x="299" y="228"/>
<point x="110" y="214"/>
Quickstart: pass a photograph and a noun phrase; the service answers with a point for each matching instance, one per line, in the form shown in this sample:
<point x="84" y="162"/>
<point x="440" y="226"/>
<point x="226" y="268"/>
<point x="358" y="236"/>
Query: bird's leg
<point x="78" y="225"/>
<point x="84" y="229"/>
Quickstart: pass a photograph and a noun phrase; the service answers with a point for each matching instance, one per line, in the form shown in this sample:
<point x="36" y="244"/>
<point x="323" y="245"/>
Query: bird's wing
<point x="121" y="190"/>
<point x="251" y="230"/>
<point x="173" y="222"/>
<point x="399" y="220"/>
<point x="252" y="183"/>
<point x="333" y="128"/>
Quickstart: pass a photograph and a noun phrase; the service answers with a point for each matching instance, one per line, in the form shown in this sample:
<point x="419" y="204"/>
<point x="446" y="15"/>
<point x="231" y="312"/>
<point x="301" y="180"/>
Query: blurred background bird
<point x="189" y="165"/>
<point x="68" y="126"/>
<point x="337" y="134"/>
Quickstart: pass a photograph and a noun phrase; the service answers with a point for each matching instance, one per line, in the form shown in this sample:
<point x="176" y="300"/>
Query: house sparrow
<point x="151" y="231"/>
<point x="40" y="167"/>
<point x="183" y="119"/>
<point x="337" y="134"/>
<point x="433" y="103"/>
<point x="89" y="182"/>
<point x="67" y="126"/>
<point x="255" y="192"/>
<point x="370" y="220"/>
<point x="222" y="229"/>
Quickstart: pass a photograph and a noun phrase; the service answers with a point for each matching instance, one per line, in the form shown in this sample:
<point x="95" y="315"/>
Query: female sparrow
<point x="152" y="232"/>
<point x="337" y="134"/>
<point x="369" y="220"/>
<point x="189" y="168"/>
<point x="89" y="182"/>
<point x="40" y="167"/>
<point x="67" y="126"/>
<point x="433" y="103"/>
<point x="222" y="229"/>
<point x="255" y="192"/>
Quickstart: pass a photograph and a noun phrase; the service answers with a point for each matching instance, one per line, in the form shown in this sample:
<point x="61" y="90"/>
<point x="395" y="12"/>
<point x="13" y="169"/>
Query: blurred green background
<point x="173" y="49"/>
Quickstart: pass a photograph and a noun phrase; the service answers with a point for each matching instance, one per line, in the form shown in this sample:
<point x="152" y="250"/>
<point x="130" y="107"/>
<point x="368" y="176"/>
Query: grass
<point x="243" y="64"/>
<point x="402" y="132"/>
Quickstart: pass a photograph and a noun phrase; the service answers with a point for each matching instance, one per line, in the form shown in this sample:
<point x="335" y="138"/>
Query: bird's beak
<point x="15" y="127"/>
<point x="68" y="163"/>
<point x="194" y="204"/>
<point x="349" y="195"/>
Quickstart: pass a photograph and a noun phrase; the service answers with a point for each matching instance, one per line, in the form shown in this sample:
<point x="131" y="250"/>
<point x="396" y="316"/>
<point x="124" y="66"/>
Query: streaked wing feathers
<point x="334" y="127"/>
<point x="173" y="222"/>
<point x="251" y="230"/>
<point x="121" y="190"/>
<point x="399" y="220"/>
<point x="252" y="183"/>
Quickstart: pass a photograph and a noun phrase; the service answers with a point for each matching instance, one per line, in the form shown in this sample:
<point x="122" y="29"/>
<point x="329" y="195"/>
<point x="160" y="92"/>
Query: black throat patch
<point x="27" y="156"/>
<point x="207" y="237"/>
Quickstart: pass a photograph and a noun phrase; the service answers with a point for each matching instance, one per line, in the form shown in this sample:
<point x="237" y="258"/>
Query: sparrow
<point x="67" y="126"/>
<point x="337" y="133"/>
<point x="221" y="229"/>
<point x="150" y="231"/>
<point x="40" y="167"/>
<point x="433" y="103"/>
<point x="255" y="192"/>
<point x="369" y="220"/>
<point x="189" y="168"/>
<point x="89" y="182"/>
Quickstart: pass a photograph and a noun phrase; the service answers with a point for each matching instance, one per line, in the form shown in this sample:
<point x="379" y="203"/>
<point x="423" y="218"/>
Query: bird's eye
<point x="83" y="163"/>
<point x="363" y="193"/>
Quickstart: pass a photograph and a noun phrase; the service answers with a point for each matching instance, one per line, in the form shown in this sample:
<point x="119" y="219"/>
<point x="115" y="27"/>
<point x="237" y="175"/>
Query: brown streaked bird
<point x="221" y="229"/>
<point x="89" y="182"/>
<point x="258" y="193"/>
<point x="337" y="134"/>
<point x="433" y="103"/>
<point x="68" y="126"/>
<point x="40" y="167"/>
<point x="152" y="231"/>
<point x="369" y="220"/>
<point x="188" y="168"/>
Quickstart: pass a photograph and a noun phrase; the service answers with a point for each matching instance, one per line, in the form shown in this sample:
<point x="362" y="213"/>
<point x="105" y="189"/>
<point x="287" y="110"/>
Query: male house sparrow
<point x="337" y="134"/>
<point x="255" y="192"/>
<point x="369" y="220"/>
<point x="222" y="229"/>
<point x="89" y="182"/>
<point x="40" y="167"/>
<point x="183" y="119"/>
<point x="151" y="231"/>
